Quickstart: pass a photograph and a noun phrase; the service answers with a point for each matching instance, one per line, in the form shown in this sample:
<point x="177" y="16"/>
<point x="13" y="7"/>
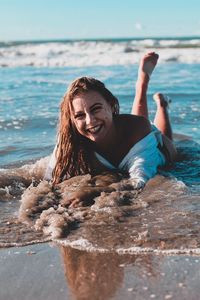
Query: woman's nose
<point x="89" y="118"/>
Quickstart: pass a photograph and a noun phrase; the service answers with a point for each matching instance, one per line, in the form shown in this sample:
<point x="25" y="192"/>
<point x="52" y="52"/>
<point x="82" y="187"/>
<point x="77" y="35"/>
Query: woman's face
<point x="93" y="117"/>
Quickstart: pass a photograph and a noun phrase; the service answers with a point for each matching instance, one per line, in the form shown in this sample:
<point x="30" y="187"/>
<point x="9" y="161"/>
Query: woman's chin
<point x="98" y="139"/>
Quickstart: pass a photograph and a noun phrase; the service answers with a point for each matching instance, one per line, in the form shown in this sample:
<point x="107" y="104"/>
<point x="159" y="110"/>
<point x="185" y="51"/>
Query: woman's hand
<point x="82" y="197"/>
<point x="137" y="184"/>
<point x="128" y="185"/>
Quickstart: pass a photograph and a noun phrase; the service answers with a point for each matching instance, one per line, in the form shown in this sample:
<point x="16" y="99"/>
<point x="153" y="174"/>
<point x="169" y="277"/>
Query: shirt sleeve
<point x="143" y="159"/>
<point x="142" y="169"/>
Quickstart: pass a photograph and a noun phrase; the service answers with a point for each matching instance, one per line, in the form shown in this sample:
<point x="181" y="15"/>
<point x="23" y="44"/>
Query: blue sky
<point x="68" y="19"/>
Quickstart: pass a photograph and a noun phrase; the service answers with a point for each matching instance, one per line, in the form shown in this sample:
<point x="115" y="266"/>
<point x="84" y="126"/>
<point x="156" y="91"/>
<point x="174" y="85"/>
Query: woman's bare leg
<point x="147" y="65"/>
<point x="161" y="120"/>
<point x="140" y="108"/>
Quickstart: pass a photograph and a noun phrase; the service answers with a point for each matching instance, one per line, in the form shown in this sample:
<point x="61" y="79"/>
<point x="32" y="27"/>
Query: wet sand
<point x="46" y="271"/>
<point x="32" y="272"/>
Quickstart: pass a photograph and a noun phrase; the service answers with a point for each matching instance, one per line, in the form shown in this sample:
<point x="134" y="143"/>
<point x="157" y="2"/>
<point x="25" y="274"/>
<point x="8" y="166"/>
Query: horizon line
<point x="100" y="39"/>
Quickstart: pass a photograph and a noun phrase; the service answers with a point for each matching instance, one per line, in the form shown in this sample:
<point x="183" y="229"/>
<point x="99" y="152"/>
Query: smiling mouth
<point x="94" y="129"/>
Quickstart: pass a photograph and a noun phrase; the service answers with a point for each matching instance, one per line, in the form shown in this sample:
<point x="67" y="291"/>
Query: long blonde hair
<point x="74" y="154"/>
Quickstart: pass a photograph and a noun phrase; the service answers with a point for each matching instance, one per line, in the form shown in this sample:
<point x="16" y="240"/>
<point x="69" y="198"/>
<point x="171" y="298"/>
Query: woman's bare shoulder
<point x="135" y="123"/>
<point x="131" y="129"/>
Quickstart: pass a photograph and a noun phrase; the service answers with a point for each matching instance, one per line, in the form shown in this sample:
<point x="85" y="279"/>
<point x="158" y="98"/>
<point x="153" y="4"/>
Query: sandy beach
<point x="32" y="272"/>
<point x="45" y="271"/>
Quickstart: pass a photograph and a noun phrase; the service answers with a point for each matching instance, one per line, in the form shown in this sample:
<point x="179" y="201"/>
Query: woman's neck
<point x="108" y="147"/>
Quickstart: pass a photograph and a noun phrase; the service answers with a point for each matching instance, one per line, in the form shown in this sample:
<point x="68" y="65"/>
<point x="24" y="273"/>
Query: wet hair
<point x="74" y="155"/>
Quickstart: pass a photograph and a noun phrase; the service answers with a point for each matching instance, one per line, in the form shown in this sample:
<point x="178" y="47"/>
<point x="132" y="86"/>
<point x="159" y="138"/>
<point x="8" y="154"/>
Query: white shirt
<point x="142" y="160"/>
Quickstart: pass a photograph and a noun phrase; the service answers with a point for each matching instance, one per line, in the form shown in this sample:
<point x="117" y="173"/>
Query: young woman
<point x="93" y="136"/>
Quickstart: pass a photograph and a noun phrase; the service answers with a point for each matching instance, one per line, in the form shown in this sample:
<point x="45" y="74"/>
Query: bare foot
<point x="147" y="65"/>
<point x="161" y="100"/>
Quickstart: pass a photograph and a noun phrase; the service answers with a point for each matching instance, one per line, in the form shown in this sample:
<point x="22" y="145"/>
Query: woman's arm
<point x="144" y="158"/>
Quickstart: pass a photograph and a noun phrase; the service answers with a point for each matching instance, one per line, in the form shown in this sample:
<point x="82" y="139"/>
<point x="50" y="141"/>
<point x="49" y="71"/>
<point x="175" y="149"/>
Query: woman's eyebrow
<point x="91" y="107"/>
<point x="97" y="103"/>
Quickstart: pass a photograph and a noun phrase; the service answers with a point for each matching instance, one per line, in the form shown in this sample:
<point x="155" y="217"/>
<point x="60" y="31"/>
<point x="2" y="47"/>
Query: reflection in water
<point x="103" y="276"/>
<point x="93" y="275"/>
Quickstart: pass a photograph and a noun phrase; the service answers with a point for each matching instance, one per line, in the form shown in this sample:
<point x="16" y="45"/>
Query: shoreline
<point x="47" y="271"/>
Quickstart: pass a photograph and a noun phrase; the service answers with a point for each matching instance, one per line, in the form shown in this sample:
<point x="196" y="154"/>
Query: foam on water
<point x="85" y="245"/>
<point x="113" y="218"/>
<point x="15" y="180"/>
<point x="88" y="53"/>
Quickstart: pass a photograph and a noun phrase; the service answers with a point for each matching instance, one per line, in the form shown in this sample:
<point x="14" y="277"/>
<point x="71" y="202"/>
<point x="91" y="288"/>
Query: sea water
<point x="34" y="77"/>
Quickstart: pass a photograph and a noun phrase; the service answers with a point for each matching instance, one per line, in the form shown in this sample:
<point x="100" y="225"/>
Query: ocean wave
<point x="13" y="181"/>
<point x="90" y="53"/>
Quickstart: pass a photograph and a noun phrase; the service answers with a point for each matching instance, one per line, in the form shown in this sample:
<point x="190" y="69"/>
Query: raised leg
<point x="147" y="65"/>
<point x="161" y="120"/>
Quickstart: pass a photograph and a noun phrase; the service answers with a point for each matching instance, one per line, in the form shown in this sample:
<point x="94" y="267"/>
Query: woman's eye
<point x="79" y="116"/>
<point x="96" y="109"/>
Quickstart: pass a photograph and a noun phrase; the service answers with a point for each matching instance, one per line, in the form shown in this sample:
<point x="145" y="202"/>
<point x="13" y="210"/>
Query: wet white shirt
<point x="142" y="160"/>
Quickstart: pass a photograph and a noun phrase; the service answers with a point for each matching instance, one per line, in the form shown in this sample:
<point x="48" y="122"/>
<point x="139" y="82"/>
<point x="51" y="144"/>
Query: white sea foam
<point x="146" y="250"/>
<point x="89" y="53"/>
<point x="85" y="245"/>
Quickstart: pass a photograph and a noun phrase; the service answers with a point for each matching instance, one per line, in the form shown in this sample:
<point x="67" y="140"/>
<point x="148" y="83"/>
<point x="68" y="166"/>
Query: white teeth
<point x="94" y="129"/>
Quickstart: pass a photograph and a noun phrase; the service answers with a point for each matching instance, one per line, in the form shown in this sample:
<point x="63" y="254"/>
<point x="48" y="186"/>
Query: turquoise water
<point x="30" y="98"/>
